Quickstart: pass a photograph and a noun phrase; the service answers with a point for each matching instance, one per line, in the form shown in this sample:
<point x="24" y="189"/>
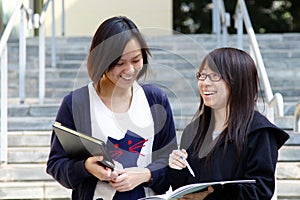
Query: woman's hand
<point x="102" y="173"/>
<point x="129" y="178"/>
<point x="176" y="159"/>
<point x="198" y="195"/>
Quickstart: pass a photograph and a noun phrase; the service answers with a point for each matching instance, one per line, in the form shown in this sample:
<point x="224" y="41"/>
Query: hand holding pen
<point x="177" y="160"/>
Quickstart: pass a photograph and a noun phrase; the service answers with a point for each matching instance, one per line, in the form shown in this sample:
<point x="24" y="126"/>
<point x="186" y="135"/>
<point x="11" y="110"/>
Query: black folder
<point x="81" y="146"/>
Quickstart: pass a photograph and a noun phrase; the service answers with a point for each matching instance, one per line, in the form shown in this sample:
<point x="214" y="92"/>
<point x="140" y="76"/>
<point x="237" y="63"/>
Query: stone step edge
<point x="34" y="190"/>
<point x="285" y="171"/>
<point x="24" y="172"/>
<point x="285" y="188"/>
<point x="288" y="189"/>
<point x="288" y="170"/>
<point x="40" y="154"/>
<point x="27" y="132"/>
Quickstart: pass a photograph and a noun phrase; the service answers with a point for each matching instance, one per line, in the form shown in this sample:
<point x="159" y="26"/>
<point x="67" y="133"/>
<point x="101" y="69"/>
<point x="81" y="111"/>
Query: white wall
<point x="82" y="17"/>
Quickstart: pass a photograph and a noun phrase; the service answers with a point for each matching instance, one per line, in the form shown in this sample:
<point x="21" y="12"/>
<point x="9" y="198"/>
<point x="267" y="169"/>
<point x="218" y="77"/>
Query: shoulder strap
<point x="81" y="110"/>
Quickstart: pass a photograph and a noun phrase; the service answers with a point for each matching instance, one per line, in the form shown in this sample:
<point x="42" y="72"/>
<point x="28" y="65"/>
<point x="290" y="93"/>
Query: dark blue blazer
<point x="74" y="113"/>
<point x="257" y="161"/>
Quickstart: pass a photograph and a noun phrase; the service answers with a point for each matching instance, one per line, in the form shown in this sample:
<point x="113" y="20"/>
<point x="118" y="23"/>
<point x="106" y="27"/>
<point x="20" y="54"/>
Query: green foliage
<point x="267" y="16"/>
<point x="191" y="16"/>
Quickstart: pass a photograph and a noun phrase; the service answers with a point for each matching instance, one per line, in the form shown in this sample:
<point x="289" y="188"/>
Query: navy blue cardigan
<point x="257" y="161"/>
<point x="74" y="113"/>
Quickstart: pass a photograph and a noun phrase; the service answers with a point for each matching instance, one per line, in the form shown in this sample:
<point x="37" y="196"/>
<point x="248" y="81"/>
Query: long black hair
<point x="239" y="72"/>
<point x="108" y="45"/>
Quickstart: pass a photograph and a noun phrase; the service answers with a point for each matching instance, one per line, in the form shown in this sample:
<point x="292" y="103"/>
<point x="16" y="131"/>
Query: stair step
<point x="289" y="154"/>
<point x="24" y="172"/>
<point x="40" y="154"/>
<point x="45" y="123"/>
<point x="294" y="139"/>
<point x="27" y="151"/>
<point x="30" y="123"/>
<point x="29" y="138"/>
<point x="288" y="189"/>
<point x="178" y="102"/>
<point x="37" y="172"/>
<point x="51" y="190"/>
<point x="33" y="190"/>
<point x="27" y="155"/>
<point x="33" y="110"/>
<point x="288" y="170"/>
<point x="285" y="122"/>
<point x="181" y="105"/>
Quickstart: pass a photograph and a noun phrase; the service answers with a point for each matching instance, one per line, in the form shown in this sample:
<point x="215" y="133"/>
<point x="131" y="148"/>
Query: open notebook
<point x="191" y="188"/>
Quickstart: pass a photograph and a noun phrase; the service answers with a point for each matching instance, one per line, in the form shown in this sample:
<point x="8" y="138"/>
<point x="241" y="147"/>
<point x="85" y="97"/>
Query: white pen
<point x="188" y="165"/>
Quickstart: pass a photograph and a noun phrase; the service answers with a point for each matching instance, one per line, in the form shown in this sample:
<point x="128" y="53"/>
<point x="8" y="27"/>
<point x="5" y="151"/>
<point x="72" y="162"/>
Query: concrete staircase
<point x="174" y="62"/>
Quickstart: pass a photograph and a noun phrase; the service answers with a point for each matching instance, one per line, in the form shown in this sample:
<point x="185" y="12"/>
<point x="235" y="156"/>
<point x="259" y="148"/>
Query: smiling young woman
<point x="228" y="139"/>
<point x="135" y="120"/>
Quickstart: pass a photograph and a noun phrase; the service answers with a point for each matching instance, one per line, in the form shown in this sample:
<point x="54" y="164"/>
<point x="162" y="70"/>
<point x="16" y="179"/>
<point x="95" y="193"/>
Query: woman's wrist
<point x="149" y="177"/>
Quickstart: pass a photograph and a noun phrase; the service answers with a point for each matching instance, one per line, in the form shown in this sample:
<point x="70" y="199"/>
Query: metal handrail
<point x="225" y="20"/>
<point x="277" y="102"/>
<point x="42" y="52"/>
<point x="25" y="13"/>
<point x="20" y="9"/>
<point x="42" y="45"/>
<point x="4" y="74"/>
<point x="272" y="100"/>
<point x="297" y="119"/>
<point x="9" y="26"/>
<point x="220" y="14"/>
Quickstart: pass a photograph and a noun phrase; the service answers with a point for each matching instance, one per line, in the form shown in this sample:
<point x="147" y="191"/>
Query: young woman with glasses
<point x="228" y="139"/>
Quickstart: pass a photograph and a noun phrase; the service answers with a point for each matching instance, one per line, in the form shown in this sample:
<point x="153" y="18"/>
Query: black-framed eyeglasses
<point x="214" y="77"/>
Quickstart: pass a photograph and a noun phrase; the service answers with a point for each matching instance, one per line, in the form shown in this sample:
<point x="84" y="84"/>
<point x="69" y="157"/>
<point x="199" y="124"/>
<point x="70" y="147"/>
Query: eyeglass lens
<point x="212" y="76"/>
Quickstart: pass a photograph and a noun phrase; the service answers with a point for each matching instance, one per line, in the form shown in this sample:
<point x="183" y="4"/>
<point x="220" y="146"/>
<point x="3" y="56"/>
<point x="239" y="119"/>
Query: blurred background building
<point x="83" y="17"/>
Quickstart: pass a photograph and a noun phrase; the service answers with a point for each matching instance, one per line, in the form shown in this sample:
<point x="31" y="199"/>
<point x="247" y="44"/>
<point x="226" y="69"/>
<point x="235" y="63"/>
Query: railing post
<point x="4" y="105"/>
<point x="218" y="30"/>
<point x="297" y="119"/>
<point x="253" y="41"/>
<point x="63" y="18"/>
<point x="214" y="16"/>
<point x="53" y="49"/>
<point x="4" y="85"/>
<point x="224" y="29"/>
<point x="42" y="63"/>
<point x="240" y="28"/>
<point x="22" y="57"/>
<point x="42" y="51"/>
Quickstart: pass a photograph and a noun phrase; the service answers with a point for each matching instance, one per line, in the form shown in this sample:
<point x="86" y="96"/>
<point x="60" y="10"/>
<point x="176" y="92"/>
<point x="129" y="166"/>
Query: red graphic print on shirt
<point x="126" y="150"/>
